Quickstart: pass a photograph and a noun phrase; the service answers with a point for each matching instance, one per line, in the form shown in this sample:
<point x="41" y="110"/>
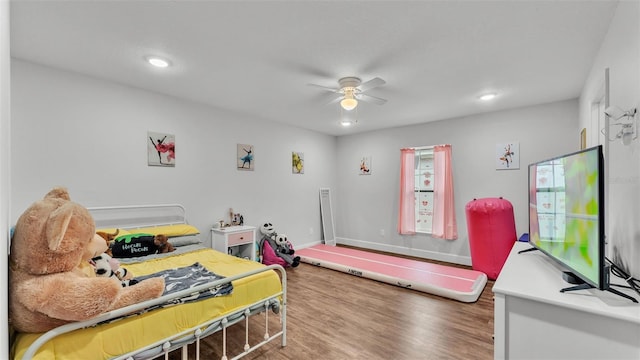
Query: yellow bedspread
<point x="109" y="340"/>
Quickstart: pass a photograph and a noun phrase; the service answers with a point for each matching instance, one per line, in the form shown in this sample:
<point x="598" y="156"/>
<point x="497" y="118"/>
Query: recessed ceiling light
<point x="346" y="123"/>
<point x="488" y="96"/>
<point x="157" y="61"/>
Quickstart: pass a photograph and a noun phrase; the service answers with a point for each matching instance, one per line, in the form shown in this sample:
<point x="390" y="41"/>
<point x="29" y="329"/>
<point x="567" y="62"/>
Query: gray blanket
<point x="180" y="279"/>
<point x="187" y="277"/>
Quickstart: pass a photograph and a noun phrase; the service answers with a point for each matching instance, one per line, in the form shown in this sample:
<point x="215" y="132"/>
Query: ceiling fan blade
<point x="324" y="87"/>
<point x="335" y="100"/>
<point x="371" y="99"/>
<point x="375" y="82"/>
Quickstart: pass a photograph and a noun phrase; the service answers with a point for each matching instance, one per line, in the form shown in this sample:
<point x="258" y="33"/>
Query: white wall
<point x="620" y="52"/>
<point x="5" y="185"/>
<point x="367" y="204"/>
<point x="91" y="136"/>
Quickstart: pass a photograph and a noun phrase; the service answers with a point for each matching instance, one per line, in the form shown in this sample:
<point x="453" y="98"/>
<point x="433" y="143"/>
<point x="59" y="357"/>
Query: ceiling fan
<point x="351" y="89"/>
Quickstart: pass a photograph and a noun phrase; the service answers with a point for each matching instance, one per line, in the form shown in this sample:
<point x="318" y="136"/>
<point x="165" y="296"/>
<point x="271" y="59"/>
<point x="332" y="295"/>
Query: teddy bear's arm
<point x="144" y="290"/>
<point x="70" y="298"/>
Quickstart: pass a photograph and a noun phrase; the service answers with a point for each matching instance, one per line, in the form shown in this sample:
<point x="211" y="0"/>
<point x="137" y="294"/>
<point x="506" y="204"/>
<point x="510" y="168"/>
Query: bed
<point x="241" y="289"/>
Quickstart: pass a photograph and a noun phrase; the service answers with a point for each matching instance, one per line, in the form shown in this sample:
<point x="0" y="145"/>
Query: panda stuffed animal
<point x="106" y="266"/>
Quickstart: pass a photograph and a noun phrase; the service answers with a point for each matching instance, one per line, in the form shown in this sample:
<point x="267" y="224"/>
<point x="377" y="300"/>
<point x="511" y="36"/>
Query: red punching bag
<point x="492" y="232"/>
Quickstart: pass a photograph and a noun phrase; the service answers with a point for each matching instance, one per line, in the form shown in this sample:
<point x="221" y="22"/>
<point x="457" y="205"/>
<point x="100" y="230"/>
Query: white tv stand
<point x="534" y="320"/>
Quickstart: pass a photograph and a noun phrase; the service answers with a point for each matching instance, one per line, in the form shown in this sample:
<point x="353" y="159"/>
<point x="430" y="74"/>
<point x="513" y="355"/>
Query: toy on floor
<point x="49" y="285"/>
<point x="276" y="249"/>
<point x="283" y="244"/>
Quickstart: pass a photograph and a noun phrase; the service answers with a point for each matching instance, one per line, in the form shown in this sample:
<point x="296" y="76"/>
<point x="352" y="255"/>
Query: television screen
<point x="566" y="213"/>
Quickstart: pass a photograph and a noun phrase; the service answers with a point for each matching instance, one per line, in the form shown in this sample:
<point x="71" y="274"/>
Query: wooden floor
<point x="333" y="315"/>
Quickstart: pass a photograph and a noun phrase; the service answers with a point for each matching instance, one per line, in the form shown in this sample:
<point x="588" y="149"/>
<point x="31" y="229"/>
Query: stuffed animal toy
<point x="274" y="254"/>
<point x="267" y="230"/>
<point x="140" y="244"/>
<point x="48" y="283"/>
<point x="96" y="247"/>
<point x="106" y="266"/>
<point x="163" y="244"/>
<point x="283" y="245"/>
<point x="108" y="238"/>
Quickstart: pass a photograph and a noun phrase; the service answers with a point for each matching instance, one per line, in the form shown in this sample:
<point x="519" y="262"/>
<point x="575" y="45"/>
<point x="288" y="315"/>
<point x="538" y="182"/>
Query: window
<point x="423" y="184"/>
<point x="426" y="192"/>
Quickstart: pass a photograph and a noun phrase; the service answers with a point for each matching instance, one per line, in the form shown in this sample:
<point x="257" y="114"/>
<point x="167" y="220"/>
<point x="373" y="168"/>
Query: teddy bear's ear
<point x="57" y="224"/>
<point x="58" y="193"/>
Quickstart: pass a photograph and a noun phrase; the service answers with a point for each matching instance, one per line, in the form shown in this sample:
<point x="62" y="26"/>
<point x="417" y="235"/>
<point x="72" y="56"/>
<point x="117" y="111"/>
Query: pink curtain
<point x="407" y="212"/>
<point x="444" y="215"/>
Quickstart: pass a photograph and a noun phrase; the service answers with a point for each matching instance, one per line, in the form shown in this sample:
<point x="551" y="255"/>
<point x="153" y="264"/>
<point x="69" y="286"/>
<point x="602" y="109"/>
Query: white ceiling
<point x="257" y="57"/>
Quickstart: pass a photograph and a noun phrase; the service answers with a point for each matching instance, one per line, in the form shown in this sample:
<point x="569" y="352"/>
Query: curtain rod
<point x="424" y="147"/>
<point x="420" y="148"/>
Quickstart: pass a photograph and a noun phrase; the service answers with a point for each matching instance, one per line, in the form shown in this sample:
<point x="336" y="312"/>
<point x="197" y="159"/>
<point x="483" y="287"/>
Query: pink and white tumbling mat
<point x="450" y="282"/>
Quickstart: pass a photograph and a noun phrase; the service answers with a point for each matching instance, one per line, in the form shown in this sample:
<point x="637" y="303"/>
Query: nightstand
<point x="235" y="240"/>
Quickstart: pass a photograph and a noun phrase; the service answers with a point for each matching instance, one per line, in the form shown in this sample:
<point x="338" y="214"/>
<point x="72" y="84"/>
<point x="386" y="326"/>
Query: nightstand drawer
<point x="235" y="240"/>
<point x="240" y="238"/>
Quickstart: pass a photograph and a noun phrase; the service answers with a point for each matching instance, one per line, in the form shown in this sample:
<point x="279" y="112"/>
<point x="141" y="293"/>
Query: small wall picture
<point x="508" y="156"/>
<point x="297" y="162"/>
<point x="245" y="157"/>
<point x="365" y="165"/>
<point x="161" y="149"/>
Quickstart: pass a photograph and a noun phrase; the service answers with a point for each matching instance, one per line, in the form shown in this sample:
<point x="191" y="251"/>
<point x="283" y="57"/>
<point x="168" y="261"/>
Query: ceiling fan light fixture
<point x="349" y="103"/>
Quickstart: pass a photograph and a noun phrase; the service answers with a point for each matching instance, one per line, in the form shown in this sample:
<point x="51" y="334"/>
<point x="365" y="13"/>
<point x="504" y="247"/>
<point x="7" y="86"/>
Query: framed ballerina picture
<point x="508" y="156"/>
<point x="161" y="149"/>
<point x="245" y="157"/>
<point x="365" y="165"/>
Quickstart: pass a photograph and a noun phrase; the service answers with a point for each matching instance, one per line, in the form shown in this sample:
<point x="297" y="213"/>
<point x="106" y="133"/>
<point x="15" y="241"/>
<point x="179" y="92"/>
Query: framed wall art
<point x="365" y="165"/>
<point x="161" y="149"/>
<point x="297" y="162"/>
<point x="508" y="156"/>
<point x="245" y="157"/>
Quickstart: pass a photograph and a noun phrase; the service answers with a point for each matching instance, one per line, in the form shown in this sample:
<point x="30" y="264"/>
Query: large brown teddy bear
<point x="49" y="284"/>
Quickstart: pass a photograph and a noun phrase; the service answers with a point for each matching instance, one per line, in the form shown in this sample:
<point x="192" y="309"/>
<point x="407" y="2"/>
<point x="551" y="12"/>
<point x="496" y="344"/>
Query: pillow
<point x="185" y="240"/>
<point x="133" y="245"/>
<point x="169" y="230"/>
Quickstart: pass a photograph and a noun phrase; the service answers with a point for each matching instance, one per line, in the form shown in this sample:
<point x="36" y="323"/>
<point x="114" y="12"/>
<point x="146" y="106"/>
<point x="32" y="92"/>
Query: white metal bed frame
<point x="182" y="339"/>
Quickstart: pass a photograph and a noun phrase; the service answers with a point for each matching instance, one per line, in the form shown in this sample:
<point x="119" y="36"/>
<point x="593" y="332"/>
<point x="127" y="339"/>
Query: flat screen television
<point x="566" y="216"/>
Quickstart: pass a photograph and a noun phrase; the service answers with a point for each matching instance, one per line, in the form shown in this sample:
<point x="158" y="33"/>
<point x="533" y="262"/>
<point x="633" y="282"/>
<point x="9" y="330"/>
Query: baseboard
<point x="425" y="254"/>
<point x="309" y="244"/>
